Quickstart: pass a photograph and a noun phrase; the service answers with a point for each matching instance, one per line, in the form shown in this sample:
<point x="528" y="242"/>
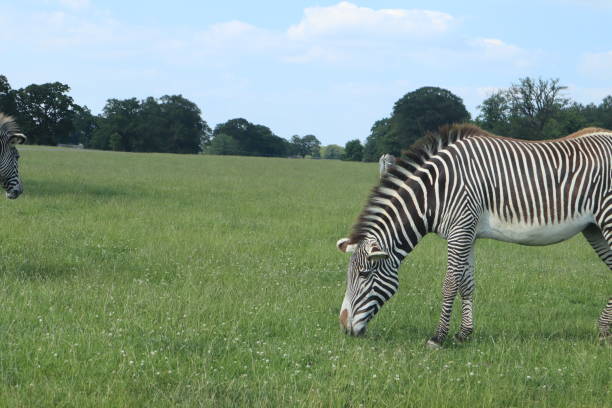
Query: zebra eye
<point x="365" y="274"/>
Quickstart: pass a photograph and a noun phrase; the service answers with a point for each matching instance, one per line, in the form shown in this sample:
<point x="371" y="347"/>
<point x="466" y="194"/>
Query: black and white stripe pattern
<point x="463" y="183"/>
<point x="9" y="156"/>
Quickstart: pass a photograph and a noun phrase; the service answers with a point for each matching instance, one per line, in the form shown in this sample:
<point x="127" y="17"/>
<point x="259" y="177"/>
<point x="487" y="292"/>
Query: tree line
<point x="529" y="109"/>
<point x="48" y="115"/>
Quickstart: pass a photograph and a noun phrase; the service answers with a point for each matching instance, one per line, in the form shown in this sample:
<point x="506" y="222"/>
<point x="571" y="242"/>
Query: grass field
<point x="162" y="280"/>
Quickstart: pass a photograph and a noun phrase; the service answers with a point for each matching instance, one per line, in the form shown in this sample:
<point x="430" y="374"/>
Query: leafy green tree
<point x="7" y="97"/>
<point x="533" y="104"/>
<point x="120" y="120"/>
<point x="495" y="114"/>
<point x="115" y="142"/>
<point x="171" y="124"/>
<point x="378" y="142"/>
<point x="45" y="112"/>
<point x="297" y="146"/>
<point x="188" y="132"/>
<point x="572" y="118"/>
<point x="223" y="144"/>
<point x="332" y="151"/>
<point x="533" y="109"/>
<point x="251" y="139"/>
<point x="353" y="150"/>
<point x="605" y="112"/>
<point x="312" y="145"/>
<point x="421" y="111"/>
<point x="84" y="125"/>
<point x="308" y="145"/>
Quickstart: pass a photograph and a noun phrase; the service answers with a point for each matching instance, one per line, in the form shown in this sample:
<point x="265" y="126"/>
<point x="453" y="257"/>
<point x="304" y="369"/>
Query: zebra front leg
<point x="459" y="253"/>
<point x="467" y="320"/>
<point x="449" y="291"/>
<point x="466" y="290"/>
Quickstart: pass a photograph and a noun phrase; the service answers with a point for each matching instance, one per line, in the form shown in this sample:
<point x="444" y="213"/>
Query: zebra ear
<point x="345" y="245"/>
<point x="17" y="138"/>
<point x="376" y="254"/>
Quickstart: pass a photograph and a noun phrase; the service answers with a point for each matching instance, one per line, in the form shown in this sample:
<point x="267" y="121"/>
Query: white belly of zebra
<point x="491" y="226"/>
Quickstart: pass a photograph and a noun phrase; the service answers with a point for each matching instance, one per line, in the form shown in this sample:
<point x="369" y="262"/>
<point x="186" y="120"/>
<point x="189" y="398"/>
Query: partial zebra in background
<point x="384" y="163"/>
<point x="9" y="156"/>
<point x="463" y="184"/>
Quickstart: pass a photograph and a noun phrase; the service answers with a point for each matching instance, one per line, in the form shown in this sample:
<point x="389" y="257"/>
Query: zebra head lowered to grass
<point x="9" y="156"/>
<point x="464" y="183"/>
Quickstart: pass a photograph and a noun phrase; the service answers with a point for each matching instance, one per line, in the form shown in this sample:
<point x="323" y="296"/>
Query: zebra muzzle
<point x="14" y="192"/>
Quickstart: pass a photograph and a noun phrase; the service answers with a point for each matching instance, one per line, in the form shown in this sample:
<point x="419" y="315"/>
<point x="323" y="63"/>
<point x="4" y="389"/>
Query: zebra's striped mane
<point x="433" y="142"/>
<point x="7" y="125"/>
<point x="412" y="159"/>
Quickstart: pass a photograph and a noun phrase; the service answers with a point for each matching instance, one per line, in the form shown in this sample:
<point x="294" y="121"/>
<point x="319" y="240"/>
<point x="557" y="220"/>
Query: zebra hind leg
<point x="603" y="247"/>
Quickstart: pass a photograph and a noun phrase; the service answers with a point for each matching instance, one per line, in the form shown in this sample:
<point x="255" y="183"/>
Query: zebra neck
<point x="400" y="214"/>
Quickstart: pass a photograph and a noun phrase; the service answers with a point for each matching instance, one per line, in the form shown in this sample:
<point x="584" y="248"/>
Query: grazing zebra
<point x="9" y="156"/>
<point x="464" y="183"/>
<point x="384" y="163"/>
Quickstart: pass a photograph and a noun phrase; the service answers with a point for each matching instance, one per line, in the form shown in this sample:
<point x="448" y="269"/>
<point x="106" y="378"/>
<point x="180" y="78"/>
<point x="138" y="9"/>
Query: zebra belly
<point x="491" y="226"/>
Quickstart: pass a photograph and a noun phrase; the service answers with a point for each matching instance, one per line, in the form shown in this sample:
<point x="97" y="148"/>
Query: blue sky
<point x="328" y="68"/>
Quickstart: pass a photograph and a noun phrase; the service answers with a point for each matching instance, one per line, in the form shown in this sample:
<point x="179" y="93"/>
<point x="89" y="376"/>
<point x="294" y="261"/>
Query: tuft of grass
<point x="164" y="280"/>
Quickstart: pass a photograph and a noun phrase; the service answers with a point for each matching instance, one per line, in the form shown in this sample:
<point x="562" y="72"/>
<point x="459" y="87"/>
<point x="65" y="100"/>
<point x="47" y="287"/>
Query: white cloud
<point x="493" y="49"/>
<point x="227" y="64"/>
<point x="598" y="65"/>
<point x="236" y="36"/>
<point x="60" y="29"/>
<point x="346" y="17"/>
<point x="339" y="34"/>
<point x="335" y="34"/>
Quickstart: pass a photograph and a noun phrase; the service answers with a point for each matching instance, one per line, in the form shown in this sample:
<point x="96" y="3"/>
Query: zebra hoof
<point x="461" y="339"/>
<point x="433" y="345"/>
<point x="605" y="339"/>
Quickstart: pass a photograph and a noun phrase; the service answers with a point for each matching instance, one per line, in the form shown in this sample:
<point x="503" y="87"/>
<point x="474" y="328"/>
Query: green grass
<point x="162" y="280"/>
